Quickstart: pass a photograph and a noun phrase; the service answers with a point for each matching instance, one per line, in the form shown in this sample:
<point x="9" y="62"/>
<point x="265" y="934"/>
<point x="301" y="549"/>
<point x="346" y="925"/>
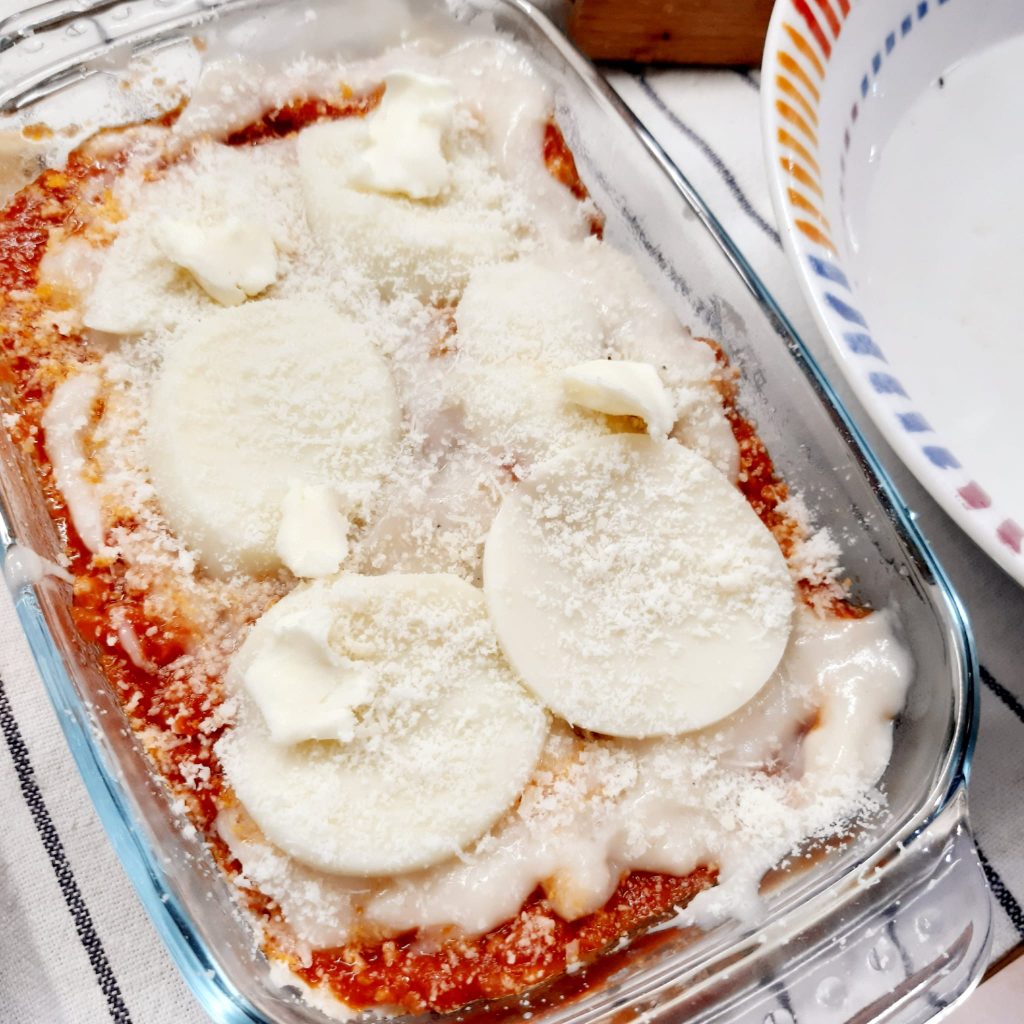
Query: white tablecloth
<point x="75" y="945"/>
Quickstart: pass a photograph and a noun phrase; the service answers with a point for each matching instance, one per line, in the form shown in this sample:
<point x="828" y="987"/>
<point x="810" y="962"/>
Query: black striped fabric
<point x="54" y="848"/>
<point x="719" y="165"/>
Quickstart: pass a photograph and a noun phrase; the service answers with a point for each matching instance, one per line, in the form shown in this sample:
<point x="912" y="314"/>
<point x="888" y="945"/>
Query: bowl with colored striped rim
<point x="895" y="151"/>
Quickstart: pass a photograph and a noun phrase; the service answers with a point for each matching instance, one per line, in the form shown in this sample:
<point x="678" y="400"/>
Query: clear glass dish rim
<point x="110" y="798"/>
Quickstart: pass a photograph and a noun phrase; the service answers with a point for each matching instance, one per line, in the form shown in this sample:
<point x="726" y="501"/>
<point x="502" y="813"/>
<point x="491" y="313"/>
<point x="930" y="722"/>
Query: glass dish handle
<point x="915" y="945"/>
<point x="903" y="943"/>
<point x="21" y="25"/>
<point x="51" y="43"/>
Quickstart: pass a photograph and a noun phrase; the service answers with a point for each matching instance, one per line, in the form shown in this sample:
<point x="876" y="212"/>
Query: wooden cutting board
<point x="671" y="31"/>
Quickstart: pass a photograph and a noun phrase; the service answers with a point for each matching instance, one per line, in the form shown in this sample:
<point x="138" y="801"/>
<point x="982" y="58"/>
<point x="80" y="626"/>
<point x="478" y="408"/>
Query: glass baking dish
<point x="894" y="926"/>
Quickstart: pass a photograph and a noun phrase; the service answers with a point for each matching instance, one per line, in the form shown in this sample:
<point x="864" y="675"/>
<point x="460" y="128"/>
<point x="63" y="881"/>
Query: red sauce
<point x="560" y="161"/>
<point x="522" y="953"/>
<point x="533" y="947"/>
<point x="292" y="117"/>
<point x="34" y="362"/>
<point x="765" y="490"/>
<point x="561" y="165"/>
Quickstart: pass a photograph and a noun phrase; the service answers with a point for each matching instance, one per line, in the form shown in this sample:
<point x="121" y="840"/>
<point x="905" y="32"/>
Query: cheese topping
<point x="138" y="289"/>
<point x="252" y="399"/>
<point x="416" y="211"/>
<point x="231" y="260"/>
<point x="437" y="736"/>
<point x="424" y="398"/>
<point x="312" y="539"/>
<point x="634" y="590"/>
<point x="398" y="148"/>
<point x="519" y="324"/>
<point x="621" y="387"/>
<point x="739" y="794"/>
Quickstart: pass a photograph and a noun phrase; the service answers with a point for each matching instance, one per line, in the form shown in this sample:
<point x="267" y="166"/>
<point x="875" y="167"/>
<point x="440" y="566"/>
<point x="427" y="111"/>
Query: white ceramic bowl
<point x="894" y="132"/>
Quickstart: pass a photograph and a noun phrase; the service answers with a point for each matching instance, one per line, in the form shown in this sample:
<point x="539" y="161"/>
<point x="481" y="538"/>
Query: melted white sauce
<point x="599" y="808"/>
<point x="25" y="567"/>
<point x="129" y="639"/>
<point x="66" y="420"/>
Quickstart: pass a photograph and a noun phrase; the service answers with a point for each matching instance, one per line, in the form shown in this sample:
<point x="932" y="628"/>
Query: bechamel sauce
<point x="65" y="421"/>
<point x="596" y="810"/>
<point x="25" y="567"/>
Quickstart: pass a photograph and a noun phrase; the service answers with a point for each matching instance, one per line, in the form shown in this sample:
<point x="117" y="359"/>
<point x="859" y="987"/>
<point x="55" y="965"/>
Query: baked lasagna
<point x="432" y="559"/>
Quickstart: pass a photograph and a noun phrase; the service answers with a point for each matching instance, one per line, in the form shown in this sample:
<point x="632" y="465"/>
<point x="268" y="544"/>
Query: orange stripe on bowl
<point x="796" y="171"/>
<point x="786" y="86"/>
<point x="790" y="115"/>
<point x="844" y="6"/>
<point x="830" y="16"/>
<point x="787" y="140"/>
<point x="790" y="65"/>
<point x="816" y="236"/>
<point x="800" y="42"/>
<point x="801" y="8"/>
<point x="801" y="202"/>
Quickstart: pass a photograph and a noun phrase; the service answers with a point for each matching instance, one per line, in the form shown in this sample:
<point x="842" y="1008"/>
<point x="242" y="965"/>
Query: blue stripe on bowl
<point x="863" y="345"/>
<point x="941" y="457"/>
<point x="846" y="311"/>
<point x="823" y="268"/>
<point x="914" y="423"/>
<point x="886" y="384"/>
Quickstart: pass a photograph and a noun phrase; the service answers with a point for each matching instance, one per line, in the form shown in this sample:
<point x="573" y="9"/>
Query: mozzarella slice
<point x="137" y="288"/>
<point x="639" y="326"/>
<point x="519" y="325"/>
<point x="634" y="590"/>
<point x="527" y="313"/>
<point x="231" y="260"/>
<point x="216" y="225"/>
<point x="621" y="387"/>
<point x="405" y="197"/>
<point x="254" y="398"/>
<point x="440" y="742"/>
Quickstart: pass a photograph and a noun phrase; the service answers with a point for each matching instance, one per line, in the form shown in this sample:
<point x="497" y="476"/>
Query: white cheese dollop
<point x="303" y="690"/>
<point x="398" y="148"/>
<point x="312" y="539"/>
<point x="231" y="260"/>
<point x="621" y="387"/>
